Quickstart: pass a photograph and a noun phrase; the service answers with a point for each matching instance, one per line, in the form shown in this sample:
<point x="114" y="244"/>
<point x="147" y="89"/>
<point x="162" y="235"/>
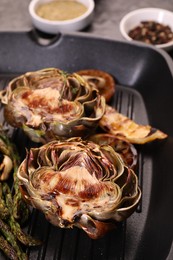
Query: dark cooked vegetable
<point x="4" y="212"/>
<point x="8" y="249"/>
<point x="20" y="207"/>
<point x="15" y="227"/>
<point x="103" y="81"/>
<point x="10" y="237"/>
<point x="79" y="183"/>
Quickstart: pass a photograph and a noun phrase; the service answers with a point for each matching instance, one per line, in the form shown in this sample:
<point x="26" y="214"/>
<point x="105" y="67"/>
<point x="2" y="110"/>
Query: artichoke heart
<point x="79" y="183"/>
<point x="50" y="104"/>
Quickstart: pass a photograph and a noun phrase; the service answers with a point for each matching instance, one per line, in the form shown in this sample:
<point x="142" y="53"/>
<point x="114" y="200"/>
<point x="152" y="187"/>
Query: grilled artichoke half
<point x="79" y="183"/>
<point x="50" y="104"/>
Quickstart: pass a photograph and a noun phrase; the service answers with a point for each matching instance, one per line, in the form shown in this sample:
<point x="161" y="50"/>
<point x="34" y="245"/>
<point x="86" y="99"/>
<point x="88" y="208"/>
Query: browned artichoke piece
<point x="95" y="228"/>
<point x="102" y="80"/>
<point x="119" y="125"/>
<point x="127" y="150"/>
<point x="79" y="183"/>
<point x="51" y="104"/>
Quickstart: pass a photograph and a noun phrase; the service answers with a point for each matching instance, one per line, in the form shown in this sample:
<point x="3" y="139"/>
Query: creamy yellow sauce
<point x="61" y="10"/>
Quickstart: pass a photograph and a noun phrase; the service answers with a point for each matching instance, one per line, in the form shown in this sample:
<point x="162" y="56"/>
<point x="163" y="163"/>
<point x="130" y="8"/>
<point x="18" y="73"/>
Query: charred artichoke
<point x="127" y="150"/>
<point x="103" y="81"/>
<point x="121" y="126"/>
<point x="79" y="183"/>
<point x="51" y="104"/>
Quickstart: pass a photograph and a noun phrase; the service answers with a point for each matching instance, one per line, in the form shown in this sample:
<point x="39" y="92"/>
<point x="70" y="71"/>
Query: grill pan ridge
<point x="148" y="233"/>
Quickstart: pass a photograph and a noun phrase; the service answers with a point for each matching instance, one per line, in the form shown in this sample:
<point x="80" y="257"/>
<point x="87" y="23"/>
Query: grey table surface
<point x="14" y="15"/>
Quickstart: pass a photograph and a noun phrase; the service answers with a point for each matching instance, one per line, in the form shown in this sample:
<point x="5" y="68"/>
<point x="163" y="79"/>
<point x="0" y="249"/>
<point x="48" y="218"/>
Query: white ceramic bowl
<point x="133" y="19"/>
<point x="54" y="27"/>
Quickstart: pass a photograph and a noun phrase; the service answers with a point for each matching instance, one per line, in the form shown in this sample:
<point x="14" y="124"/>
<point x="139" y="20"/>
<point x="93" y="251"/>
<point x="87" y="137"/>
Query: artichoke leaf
<point x="127" y="150"/>
<point x="119" y="125"/>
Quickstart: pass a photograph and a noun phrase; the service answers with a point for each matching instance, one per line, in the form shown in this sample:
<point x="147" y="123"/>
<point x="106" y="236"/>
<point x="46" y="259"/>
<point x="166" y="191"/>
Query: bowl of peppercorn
<point x="152" y="26"/>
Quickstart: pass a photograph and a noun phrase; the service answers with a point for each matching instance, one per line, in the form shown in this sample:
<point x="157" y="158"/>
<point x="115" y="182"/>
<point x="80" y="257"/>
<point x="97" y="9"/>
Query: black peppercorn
<point x="151" y="32"/>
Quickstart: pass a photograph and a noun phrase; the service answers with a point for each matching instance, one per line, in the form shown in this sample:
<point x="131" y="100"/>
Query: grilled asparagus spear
<point x="13" y="209"/>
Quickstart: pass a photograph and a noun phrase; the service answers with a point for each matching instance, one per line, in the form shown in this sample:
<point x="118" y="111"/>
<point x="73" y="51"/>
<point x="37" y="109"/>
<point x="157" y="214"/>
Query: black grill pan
<point x="144" y="93"/>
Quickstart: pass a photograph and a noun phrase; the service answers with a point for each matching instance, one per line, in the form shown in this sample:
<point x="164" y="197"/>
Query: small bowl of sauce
<point x="54" y="16"/>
